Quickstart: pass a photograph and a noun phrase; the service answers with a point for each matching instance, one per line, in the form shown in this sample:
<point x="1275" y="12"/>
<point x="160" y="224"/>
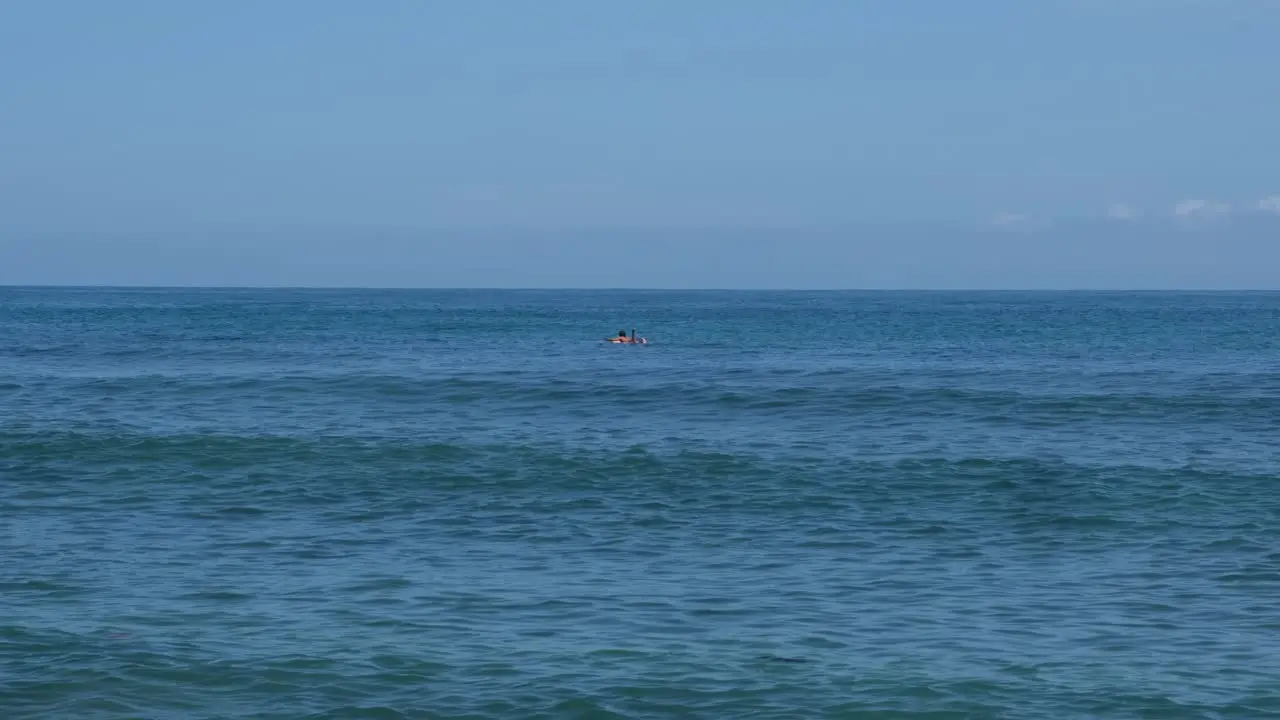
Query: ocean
<point x="464" y="504"/>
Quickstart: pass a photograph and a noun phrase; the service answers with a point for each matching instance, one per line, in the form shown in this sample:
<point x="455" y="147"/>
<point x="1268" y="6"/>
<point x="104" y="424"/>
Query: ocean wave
<point x="517" y="464"/>
<point x="119" y="674"/>
<point x="1252" y="397"/>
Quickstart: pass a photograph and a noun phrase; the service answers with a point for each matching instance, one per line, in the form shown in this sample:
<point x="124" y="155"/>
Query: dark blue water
<point x="333" y="504"/>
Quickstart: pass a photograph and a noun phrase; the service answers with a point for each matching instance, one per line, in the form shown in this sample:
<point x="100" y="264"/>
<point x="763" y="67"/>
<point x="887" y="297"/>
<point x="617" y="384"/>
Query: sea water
<point x="465" y="504"/>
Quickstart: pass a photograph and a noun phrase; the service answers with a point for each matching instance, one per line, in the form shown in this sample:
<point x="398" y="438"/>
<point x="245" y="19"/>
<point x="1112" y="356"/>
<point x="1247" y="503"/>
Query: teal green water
<point x="463" y="504"/>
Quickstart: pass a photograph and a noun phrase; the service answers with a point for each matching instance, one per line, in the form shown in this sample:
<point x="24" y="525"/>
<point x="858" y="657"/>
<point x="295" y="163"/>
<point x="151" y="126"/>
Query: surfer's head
<point x="622" y="333"/>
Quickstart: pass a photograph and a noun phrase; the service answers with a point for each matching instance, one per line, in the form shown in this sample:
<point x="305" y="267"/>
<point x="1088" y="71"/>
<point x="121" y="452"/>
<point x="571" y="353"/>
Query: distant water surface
<point x="463" y="504"/>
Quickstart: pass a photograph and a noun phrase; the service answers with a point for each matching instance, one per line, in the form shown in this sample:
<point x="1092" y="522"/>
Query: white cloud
<point x="1270" y="204"/>
<point x="1200" y="208"/>
<point x="1121" y="211"/>
<point x="1009" y="219"/>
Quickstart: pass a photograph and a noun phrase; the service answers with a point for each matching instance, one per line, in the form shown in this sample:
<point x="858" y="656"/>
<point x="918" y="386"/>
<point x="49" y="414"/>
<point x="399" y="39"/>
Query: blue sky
<point x="432" y="143"/>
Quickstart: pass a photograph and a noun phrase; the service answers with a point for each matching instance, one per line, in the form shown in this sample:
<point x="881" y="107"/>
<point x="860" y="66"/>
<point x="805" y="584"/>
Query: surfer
<point x="622" y="338"/>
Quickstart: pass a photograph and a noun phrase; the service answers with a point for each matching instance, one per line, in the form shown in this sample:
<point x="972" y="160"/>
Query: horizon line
<point x="479" y="288"/>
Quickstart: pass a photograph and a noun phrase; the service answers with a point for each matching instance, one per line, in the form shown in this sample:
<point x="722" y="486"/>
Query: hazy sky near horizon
<point x="503" y="122"/>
